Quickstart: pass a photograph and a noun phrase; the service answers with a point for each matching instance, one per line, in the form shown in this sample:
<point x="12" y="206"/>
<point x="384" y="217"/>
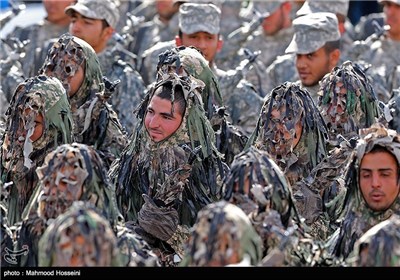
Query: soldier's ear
<point x="178" y="41"/>
<point x="220" y="44"/>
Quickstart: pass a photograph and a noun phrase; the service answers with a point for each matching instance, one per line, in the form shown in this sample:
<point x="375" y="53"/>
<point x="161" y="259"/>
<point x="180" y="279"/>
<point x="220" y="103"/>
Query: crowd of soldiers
<point x="200" y="133"/>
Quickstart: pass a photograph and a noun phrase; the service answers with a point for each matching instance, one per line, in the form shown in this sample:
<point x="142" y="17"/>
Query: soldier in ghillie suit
<point x="347" y="103"/>
<point x="222" y="236"/>
<point x="171" y="169"/>
<point x="372" y="181"/>
<point x="95" y="22"/>
<point x="79" y="237"/>
<point x="257" y="185"/>
<point x="72" y="172"/>
<point x="380" y="245"/>
<point x="291" y="129"/>
<point x="75" y="63"/>
<point x="189" y="61"/>
<point x="38" y="120"/>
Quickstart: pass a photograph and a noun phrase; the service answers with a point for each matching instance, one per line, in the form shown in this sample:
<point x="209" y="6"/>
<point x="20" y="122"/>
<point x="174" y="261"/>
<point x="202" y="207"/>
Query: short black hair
<point x="331" y="46"/>
<point x="165" y="92"/>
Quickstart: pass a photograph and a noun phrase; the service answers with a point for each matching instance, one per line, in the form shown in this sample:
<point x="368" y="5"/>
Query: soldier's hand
<point x="161" y="222"/>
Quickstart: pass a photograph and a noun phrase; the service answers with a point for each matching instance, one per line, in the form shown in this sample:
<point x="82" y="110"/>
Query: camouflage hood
<point x="20" y="156"/>
<point x="189" y="61"/>
<point x="347" y="101"/>
<point x="295" y="106"/>
<point x="358" y="216"/>
<point x="63" y="60"/>
<point x="266" y="183"/>
<point x="223" y="232"/>
<point x="191" y="144"/>
<point x="79" y="237"/>
<point x="75" y="172"/>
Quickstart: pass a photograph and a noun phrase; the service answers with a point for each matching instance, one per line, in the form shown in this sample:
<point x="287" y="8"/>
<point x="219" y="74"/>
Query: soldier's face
<point x="274" y="23"/>
<point x="208" y="44"/>
<point x="55" y="10"/>
<point x="160" y="121"/>
<point x="379" y="180"/>
<point x="75" y="81"/>
<point x="90" y="30"/>
<point x="285" y="133"/>
<point x="313" y="66"/>
<point x="392" y="18"/>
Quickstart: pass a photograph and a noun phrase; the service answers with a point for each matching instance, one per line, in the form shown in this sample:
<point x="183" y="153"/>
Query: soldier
<point x="79" y="237"/>
<point x="52" y="26"/>
<point x="258" y="186"/>
<point x="223" y="236"/>
<point x="69" y="173"/>
<point x="269" y="31"/>
<point x="75" y="63"/>
<point x="241" y="99"/>
<point x="39" y="119"/>
<point x="372" y="181"/>
<point x="347" y="103"/>
<point x="291" y="129"/>
<point x="171" y="168"/>
<point x="95" y="23"/>
<point x="382" y="50"/>
<point x="316" y="48"/>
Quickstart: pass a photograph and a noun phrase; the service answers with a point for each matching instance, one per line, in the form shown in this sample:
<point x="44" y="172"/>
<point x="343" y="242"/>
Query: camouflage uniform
<point x="252" y="37"/>
<point x="38" y="35"/>
<point x="223" y="236"/>
<point x="162" y="185"/>
<point x="79" y="237"/>
<point x="380" y="245"/>
<point x="20" y="156"/>
<point x="95" y="121"/>
<point x="383" y="53"/>
<point x="69" y="173"/>
<point x="358" y="216"/>
<point x="116" y="62"/>
<point x="394" y="105"/>
<point x="296" y="108"/>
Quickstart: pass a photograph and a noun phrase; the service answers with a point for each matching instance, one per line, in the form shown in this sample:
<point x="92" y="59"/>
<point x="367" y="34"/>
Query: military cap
<point x="315" y="6"/>
<point x="313" y="31"/>
<point x="195" y="17"/>
<point x="95" y="9"/>
<point x="393" y="1"/>
<point x="262" y="8"/>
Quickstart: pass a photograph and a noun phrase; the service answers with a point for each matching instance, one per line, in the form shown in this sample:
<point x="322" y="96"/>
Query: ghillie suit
<point x="257" y="185"/>
<point x="380" y="245"/>
<point x="358" y="216"/>
<point x="222" y="236"/>
<point x="95" y="121"/>
<point x="37" y="96"/>
<point x="79" y="237"/>
<point x="72" y="172"/>
<point x="276" y="135"/>
<point x="162" y="185"/>
<point x="188" y="61"/>
<point x="347" y="102"/>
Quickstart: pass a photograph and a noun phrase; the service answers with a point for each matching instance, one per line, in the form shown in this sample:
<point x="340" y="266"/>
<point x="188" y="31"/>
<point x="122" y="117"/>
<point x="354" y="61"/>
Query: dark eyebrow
<point x="379" y="169"/>
<point x="167" y="115"/>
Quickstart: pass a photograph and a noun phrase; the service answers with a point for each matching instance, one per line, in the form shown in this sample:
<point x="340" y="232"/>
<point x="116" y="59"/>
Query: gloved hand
<point x="160" y="222"/>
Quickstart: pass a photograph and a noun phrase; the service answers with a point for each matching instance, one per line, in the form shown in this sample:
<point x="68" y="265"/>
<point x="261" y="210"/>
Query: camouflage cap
<point x="313" y="31"/>
<point x="263" y="8"/>
<point x="194" y="17"/>
<point x="393" y="1"/>
<point x="316" y="6"/>
<point x="95" y="9"/>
